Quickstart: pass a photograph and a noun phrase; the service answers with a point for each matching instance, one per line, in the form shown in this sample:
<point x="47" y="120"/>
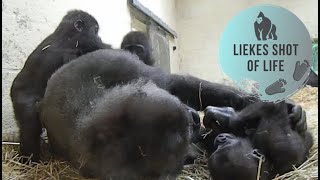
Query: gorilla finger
<point x="214" y="117"/>
<point x="195" y="116"/>
<point x="228" y="110"/>
<point x="301" y="125"/>
<point x="295" y="114"/>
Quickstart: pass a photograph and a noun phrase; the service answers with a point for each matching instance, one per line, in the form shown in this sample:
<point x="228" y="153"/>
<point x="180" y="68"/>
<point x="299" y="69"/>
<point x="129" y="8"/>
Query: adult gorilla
<point x="115" y="117"/>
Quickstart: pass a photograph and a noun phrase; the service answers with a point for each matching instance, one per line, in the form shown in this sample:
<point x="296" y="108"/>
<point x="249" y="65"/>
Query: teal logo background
<point x="273" y="77"/>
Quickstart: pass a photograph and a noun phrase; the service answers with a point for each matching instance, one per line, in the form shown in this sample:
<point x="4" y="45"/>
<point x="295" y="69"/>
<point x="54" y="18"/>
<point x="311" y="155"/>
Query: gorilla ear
<point x="261" y="14"/>
<point x="79" y="25"/>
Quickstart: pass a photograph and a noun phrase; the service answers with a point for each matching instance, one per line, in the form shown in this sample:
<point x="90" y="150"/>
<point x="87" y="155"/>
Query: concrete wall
<point x="201" y="23"/>
<point x="166" y="10"/>
<point x="26" y="23"/>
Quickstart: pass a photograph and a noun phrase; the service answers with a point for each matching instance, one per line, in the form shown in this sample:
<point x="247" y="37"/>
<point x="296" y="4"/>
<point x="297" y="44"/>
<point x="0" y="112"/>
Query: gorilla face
<point x="138" y="43"/>
<point x="259" y="20"/>
<point x="235" y="158"/>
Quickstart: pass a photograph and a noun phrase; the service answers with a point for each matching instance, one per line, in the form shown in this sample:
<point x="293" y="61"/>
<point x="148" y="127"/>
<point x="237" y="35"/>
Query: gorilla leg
<point x="30" y="128"/>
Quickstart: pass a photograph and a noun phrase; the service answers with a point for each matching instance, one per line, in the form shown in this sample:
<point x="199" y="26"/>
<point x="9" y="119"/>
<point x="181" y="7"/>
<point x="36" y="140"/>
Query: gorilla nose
<point x="257" y="154"/>
<point x="221" y="138"/>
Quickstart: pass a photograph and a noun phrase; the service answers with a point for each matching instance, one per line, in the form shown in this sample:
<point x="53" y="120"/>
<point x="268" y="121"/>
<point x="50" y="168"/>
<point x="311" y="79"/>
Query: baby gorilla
<point x="274" y="134"/>
<point x="134" y="130"/>
<point x="138" y="43"/>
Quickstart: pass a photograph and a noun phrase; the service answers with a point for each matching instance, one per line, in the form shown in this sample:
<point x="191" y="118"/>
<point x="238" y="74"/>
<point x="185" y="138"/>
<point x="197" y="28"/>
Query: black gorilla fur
<point x="138" y="43"/>
<point x="76" y="35"/>
<point x="313" y="79"/>
<point x="133" y="130"/>
<point x="277" y="133"/>
<point x="88" y="111"/>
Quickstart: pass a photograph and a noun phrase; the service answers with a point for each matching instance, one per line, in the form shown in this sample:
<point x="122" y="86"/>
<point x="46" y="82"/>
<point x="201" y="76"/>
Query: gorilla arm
<point x="199" y="93"/>
<point x="118" y="66"/>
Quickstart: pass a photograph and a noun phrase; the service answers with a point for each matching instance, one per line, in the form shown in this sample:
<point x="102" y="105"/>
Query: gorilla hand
<point x="196" y="125"/>
<point x="297" y="116"/>
<point x="217" y="118"/>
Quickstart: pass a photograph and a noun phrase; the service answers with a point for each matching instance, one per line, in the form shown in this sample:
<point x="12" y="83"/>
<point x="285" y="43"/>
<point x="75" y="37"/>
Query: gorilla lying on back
<point x="76" y="35"/>
<point x="276" y="134"/>
<point x="118" y="123"/>
<point x="139" y="44"/>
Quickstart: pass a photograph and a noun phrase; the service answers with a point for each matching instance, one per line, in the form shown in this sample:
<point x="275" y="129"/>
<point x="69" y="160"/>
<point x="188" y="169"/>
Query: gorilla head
<point x="235" y="158"/>
<point x="138" y="43"/>
<point x="83" y="28"/>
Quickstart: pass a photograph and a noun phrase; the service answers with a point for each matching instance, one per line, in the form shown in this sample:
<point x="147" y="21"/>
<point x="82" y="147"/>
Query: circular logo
<point x="266" y="50"/>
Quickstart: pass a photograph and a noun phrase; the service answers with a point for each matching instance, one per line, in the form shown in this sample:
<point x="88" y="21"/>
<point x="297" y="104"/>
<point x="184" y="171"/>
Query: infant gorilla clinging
<point x="274" y="135"/>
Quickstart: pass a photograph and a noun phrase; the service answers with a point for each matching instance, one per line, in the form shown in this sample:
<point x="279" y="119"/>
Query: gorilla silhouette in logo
<point x="263" y="27"/>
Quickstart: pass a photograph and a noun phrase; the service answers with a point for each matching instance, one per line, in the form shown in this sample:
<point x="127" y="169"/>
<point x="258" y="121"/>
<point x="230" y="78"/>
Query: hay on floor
<point x="55" y="169"/>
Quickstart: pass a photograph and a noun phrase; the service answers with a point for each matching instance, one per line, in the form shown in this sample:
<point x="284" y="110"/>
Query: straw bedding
<point x="56" y="169"/>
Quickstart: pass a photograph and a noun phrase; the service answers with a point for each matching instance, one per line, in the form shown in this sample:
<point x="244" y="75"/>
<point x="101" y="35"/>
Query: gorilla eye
<point x="79" y="25"/>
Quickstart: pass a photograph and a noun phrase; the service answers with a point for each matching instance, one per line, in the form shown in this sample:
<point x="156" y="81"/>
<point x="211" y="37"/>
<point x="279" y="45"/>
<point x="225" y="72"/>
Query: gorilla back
<point x="76" y="34"/>
<point x="110" y="123"/>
